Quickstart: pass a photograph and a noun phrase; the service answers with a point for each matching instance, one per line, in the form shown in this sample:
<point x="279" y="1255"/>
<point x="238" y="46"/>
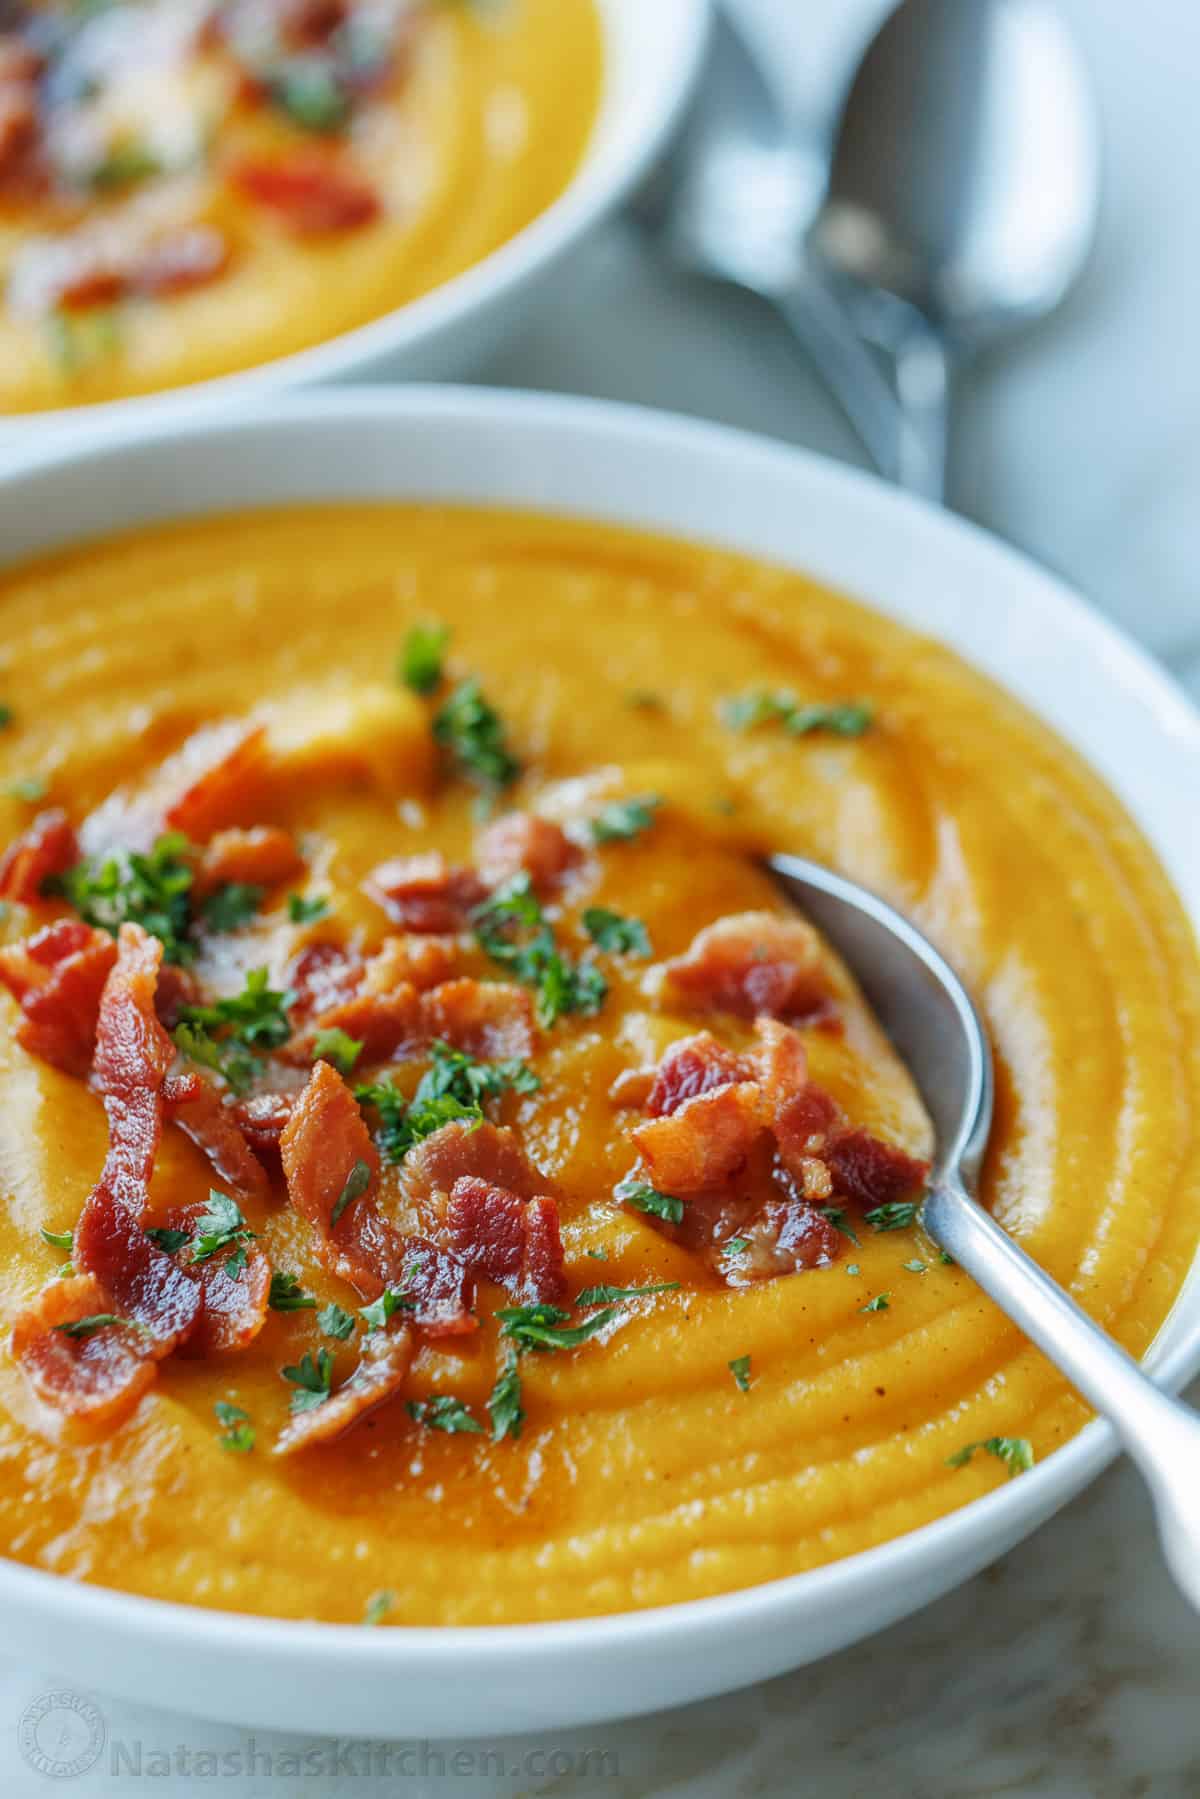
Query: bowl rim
<point x="1002" y="1516"/>
<point x="599" y="184"/>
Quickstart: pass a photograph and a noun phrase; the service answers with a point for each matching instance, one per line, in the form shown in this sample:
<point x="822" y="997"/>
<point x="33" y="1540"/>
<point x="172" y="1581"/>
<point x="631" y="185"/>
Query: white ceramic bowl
<point x="637" y="468"/>
<point x="653" y="50"/>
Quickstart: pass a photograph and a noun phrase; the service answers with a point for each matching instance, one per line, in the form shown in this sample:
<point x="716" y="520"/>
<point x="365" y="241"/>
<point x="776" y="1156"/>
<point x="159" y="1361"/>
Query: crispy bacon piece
<point x="787" y="1235"/>
<point x="424" y="893"/>
<point x="754" y="963"/>
<point x="221" y="770"/>
<point x="504" y="1238"/>
<point x="179" y="260"/>
<point x="439" y="1284"/>
<point x="311" y="192"/>
<point x="233" y="1307"/>
<point x="490" y="1019"/>
<point x="874" y="1173"/>
<point x="388" y="1025"/>
<point x="523" y="841"/>
<point x="422" y="961"/>
<point x="706" y="1141"/>
<point x="98" y="1377"/>
<point x="143" y="1283"/>
<point x="176" y="989"/>
<point x="487" y="1152"/>
<point x="322" y="976"/>
<point x="19" y="111"/>
<point x="381" y="1373"/>
<point x="58" y="976"/>
<point x="693" y="1066"/>
<point x="260" y="857"/>
<point x="262" y="1119"/>
<point x="46" y="849"/>
<point x="194" y="1104"/>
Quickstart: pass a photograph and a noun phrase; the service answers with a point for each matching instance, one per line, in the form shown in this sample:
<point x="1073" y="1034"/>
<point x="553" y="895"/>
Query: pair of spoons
<point x="956" y="203"/>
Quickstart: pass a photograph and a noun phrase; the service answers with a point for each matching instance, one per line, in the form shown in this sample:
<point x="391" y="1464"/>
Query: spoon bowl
<point x="935" y="1025"/>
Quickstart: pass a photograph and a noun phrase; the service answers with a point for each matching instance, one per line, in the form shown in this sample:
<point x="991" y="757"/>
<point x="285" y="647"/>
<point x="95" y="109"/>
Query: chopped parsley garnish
<point x="29" y="788"/>
<point x="1015" y="1452"/>
<point x="334" y="1321"/>
<point x="444" y="1413"/>
<point x="513" y="930"/>
<point x="357" y="1182"/>
<point x="124" y="165"/>
<point x="311" y="95"/>
<point x="153" y="890"/>
<point x="97" y="1321"/>
<point x="946" y="1258"/>
<point x="223" y="1036"/>
<point x="736" y="1246"/>
<point x="849" y="719"/>
<point x="381" y="1310"/>
<point x="6" y="717"/>
<point x="897" y="1215"/>
<point x="421" y="659"/>
<point x="624" y="819"/>
<point x="878" y="1304"/>
<point x="545" y="1327"/>
<point x="313" y="1380"/>
<point x="644" y="1198"/>
<point x="504" y="1402"/>
<point x="221" y="1226"/>
<point x="452" y="1089"/>
<point x="837" y="1218"/>
<point x="170" y="1241"/>
<point x="231" y="906"/>
<point x="610" y="931"/>
<point x="916" y="1266"/>
<point x="853" y="1268"/>
<point x="237" y="1432"/>
<point x="473" y="736"/>
<point x="740" y="1370"/>
<point x="338" y="1048"/>
<point x="598" y="1255"/>
<point x="58" y="1239"/>
<point x="76" y="340"/>
<point x="463" y="1077"/>
<point x="403" y="1124"/>
<point x="612" y="1296"/>
<point x="302" y="910"/>
<point x="287" y="1295"/>
<point x="378" y="1606"/>
<point x="644" y="699"/>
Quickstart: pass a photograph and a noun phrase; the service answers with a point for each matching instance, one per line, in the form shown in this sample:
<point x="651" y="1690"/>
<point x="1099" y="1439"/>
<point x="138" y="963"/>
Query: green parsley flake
<point x="97" y="1321"/>
<point x="916" y="1266"/>
<point x="544" y="1327"/>
<point x="1015" y="1452"/>
<point x="29" y="788"/>
<point x="740" y="1370"/>
<point x="878" y="1304"/>
<point x="898" y="1215"/>
<point x="513" y="930"/>
<point x="58" y="1239"/>
<point x="378" y="1606"/>
<point x="223" y="1036"/>
<point x="357" y="1182"/>
<point x="231" y="906"/>
<point x="313" y="1380"/>
<point x="504" y="1403"/>
<point x="621" y="936"/>
<point x="848" y="719"/>
<point x="152" y="890"/>
<point x="381" y="1310"/>
<point x="837" y="1218"/>
<point x="644" y="1198"/>
<point x="624" y="819"/>
<point x="333" y="1321"/>
<point x="338" y="1048"/>
<point x="287" y="1295"/>
<point x="311" y="95"/>
<point x="6" y="717"/>
<point x="598" y="1255"/>
<point x="473" y="736"/>
<point x="303" y="910"/>
<point x="853" y="1268"/>
<point x="444" y="1413"/>
<point x="221" y="1226"/>
<point x="169" y="1241"/>
<point x="237" y="1432"/>
<point x="421" y="659"/>
<point x="736" y="1246"/>
<point x="608" y="1296"/>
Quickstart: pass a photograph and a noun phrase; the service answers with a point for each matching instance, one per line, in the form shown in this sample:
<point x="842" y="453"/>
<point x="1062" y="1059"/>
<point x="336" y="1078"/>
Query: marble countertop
<point x="1069" y="1670"/>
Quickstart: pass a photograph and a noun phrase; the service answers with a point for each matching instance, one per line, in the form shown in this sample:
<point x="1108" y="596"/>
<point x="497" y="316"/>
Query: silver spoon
<point x="928" y="1014"/>
<point x="733" y="200"/>
<point x="963" y="195"/>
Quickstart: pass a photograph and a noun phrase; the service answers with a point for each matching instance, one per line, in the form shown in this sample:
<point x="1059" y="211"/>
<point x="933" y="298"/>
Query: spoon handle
<point x="850" y="372"/>
<point x="1161" y="1434"/>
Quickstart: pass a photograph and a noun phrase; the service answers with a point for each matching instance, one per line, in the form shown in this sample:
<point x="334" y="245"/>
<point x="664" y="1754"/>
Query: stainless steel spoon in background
<point x="963" y="195"/>
<point x="930" y="1017"/>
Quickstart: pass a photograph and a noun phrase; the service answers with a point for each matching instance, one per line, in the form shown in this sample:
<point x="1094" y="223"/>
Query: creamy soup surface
<point x="556" y="1162"/>
<point x="193" y="187"/>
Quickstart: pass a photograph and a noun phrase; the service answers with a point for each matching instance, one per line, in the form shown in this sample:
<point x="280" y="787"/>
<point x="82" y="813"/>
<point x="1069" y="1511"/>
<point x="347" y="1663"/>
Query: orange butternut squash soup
<point x="190" y="187"/>
<point x="440" y="1179"/>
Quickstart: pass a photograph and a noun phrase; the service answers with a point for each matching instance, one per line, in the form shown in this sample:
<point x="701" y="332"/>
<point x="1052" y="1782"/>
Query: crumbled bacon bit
<point x="58" y="976"/>
<point x="693" y="1066"/>
<point x="523" y="841"/>
<point x="233" y="1306"/>
<point x="490" y="1019"/>
<point x="194" y="1104"/>
<point x="98" y="1377"/>
<point x="504" y="1238"/>
<point x="424" y="893"/>
<point x="46" y="849"/>
<point x="755" y="963"/>
<point x="381" y="1373"/>
<point x="788" y="1234"/>
<point x="488" y="1152"/>
<point x="222" y="769"/>
<point x="260" y="857"/>
<point x="177" y="988"/>
<point x="874" y="1173"/>
<point x="313" y="194"/>
<point x="422" y="961"/>
<point x="706" y="1141"/>
<point x="323" y="975"/>
<point x="388" y="1025"/>
<point x="262" y="1119"/>
<point x="180" y="260"/>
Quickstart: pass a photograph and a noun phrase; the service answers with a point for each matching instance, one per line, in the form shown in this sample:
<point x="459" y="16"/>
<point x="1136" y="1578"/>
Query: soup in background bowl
<point x="486" y="1204"/>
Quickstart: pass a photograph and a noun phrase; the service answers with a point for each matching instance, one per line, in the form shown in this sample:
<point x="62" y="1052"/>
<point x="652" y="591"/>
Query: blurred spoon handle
<point x="849" y="370"/>
<point x="924" y="384"/>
